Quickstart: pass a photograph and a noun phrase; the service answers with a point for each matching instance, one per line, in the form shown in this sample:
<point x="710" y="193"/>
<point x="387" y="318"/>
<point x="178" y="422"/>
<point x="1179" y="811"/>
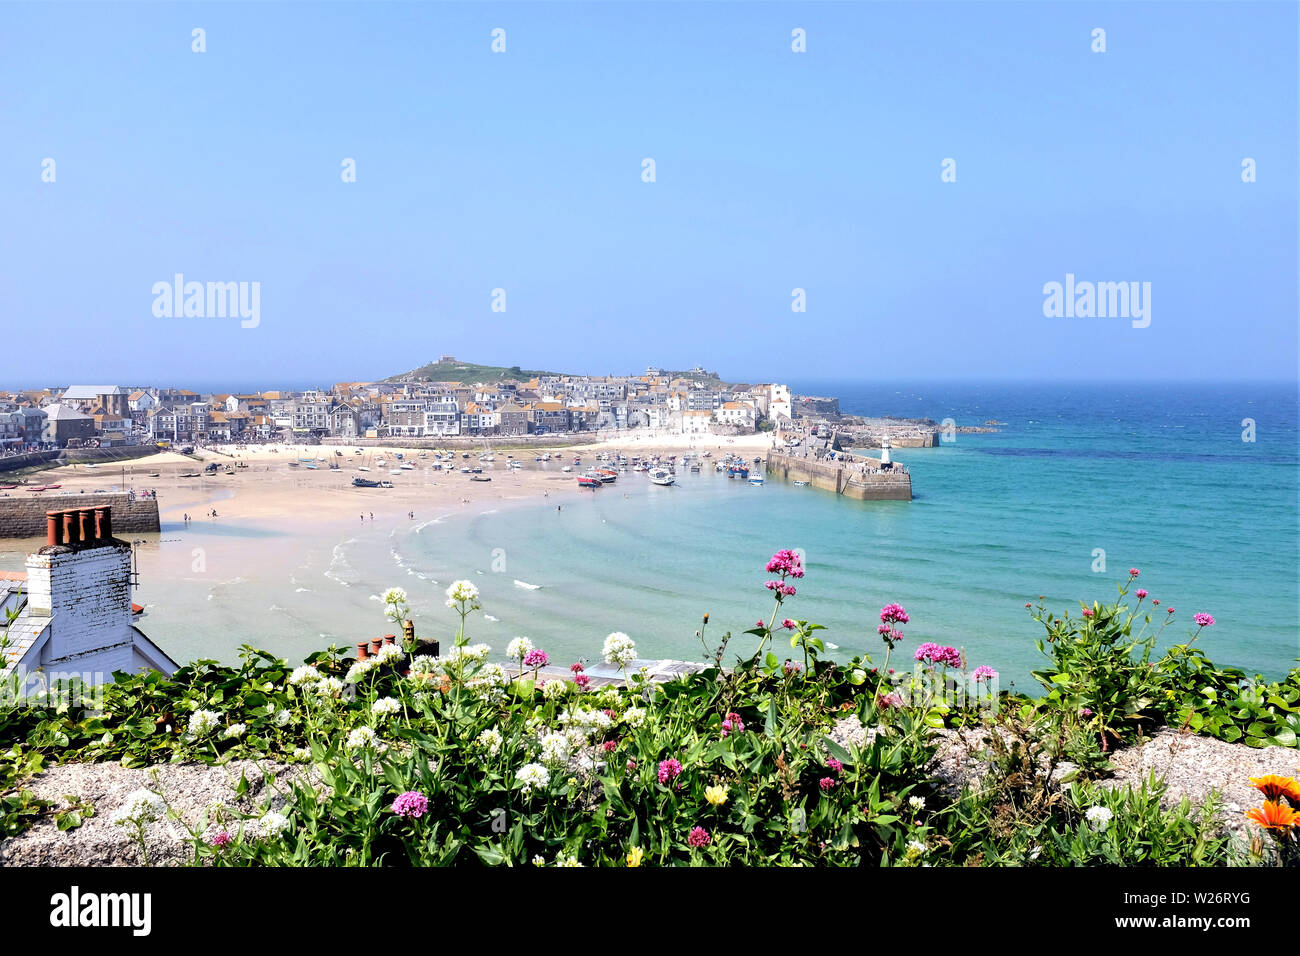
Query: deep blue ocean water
<point x="1158" y="476"/>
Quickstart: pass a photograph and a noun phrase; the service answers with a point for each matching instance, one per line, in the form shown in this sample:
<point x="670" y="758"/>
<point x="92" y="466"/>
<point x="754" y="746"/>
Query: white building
<point x="696" y="422"/>
<point x="75" y="616"/>
<point x="779" y="404"/>
<point x="736" y="413"/>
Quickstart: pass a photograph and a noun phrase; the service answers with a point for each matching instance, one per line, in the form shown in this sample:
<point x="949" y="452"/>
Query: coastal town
<point x="444" y="400"/>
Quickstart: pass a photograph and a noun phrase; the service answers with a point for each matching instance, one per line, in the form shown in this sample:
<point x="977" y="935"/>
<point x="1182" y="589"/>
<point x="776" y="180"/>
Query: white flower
<point x="302" y="753"/>
<point x="389" y="654"/>
<point x="307" y="674"/>
<point x="235" y="730"/>
<point x="555" y="749"/>
<point x="915" y="848"/>
<point x="328" y="686"/>
<point x="577" y="738"/>
<point x="1099" y="818"/>
<point x="555" y="689"/>
<point x="424" y="664"/>
<point x="202" y="723"/>
<point x="394" y="596"/>
<point x="470" y="653"/>
<point x="283" y="717"/>
<point x="386" y="706"/>
<point x="273" y="824"/>
<point x="518" y="649"/>
<point x="916" y="803"/>
<point x="491" y="740"/>
<point x="570" y="860"/>
<point x="488" y="679"/>
<point x="461" y="591"/>
<point x="359" y="670"/>
<point x="619" y="649"/>
<point x="361" y="737"/>
<point x="139" y="809"/>
<point x="634" y="716"/>
<point x="533" y="776"/>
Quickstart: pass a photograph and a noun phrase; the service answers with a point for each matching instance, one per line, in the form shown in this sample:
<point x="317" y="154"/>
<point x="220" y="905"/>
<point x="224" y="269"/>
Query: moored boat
<point x="662" y="476"/>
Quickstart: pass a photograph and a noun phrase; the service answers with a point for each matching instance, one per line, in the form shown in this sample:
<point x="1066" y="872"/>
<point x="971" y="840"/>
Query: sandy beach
<point x="270" y="485"/>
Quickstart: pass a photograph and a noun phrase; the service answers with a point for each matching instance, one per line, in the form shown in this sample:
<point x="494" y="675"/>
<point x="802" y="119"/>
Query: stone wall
<point x="70" y="455"/>
<point x="24" y="517"/>
<point x="832" y="476"/>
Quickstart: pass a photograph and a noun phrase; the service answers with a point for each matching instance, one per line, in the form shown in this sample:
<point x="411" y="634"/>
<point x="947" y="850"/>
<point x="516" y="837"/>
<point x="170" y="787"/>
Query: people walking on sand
<point x="372" y="516"/>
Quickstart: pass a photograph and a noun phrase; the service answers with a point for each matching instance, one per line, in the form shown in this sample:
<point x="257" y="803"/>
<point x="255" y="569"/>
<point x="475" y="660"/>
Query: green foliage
<point x="1106" y="685"/>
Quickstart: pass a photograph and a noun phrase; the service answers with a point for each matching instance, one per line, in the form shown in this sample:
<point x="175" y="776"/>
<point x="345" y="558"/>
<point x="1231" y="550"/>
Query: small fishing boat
<point x="801" y="484"/>
<point x="364" y="483"/>
<point x="755" y="479"/>
<point x="362" y="468"/>
<point x="605" y="474"/>
<point x="662" y="476"/>
<point x="586" y="481"/>
<point x="567" y="468"/>
<point x="406" y="466"/>
<point x="395" y="471"/>
<point x="480" y="478"/>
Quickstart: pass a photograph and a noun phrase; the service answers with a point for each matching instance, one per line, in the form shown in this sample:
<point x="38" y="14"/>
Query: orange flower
<point x="1274" y="787"/>
<point x="1274" y="816"/>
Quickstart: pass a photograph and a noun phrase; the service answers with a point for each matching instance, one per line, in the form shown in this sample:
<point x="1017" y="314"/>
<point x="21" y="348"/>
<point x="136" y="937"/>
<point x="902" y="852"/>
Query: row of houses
<point x="114" y="414"/>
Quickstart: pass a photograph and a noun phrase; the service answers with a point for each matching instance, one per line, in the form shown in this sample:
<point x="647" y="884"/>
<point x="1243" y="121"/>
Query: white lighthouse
<point x="884" y="451"/>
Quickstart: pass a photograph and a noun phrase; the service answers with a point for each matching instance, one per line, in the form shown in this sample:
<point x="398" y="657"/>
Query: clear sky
<point x="522" y="171"/>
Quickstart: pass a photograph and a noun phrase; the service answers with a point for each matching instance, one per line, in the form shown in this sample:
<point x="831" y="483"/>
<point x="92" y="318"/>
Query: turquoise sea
<point x="1157" y="476"/>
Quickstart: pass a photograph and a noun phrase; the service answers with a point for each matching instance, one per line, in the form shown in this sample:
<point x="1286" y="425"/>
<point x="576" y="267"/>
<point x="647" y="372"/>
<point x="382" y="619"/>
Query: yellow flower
<point x="716" y="795"/>
<point x="634" y="856"/>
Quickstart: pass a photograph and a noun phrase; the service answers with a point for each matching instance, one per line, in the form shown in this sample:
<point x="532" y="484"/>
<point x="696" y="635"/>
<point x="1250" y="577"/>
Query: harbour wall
<point x="24" y="517"/>
<point x="847" y="481"/>
<point x="70" y="456"/>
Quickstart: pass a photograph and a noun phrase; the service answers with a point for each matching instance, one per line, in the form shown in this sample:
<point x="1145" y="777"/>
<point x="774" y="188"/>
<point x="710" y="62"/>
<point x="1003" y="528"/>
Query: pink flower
<point x="631" y="765"/>
<point x="834" y="765"/>
<point x="788" y="624"/>
<point x="610" y="746"/>
<point x="1133" y="572"/>
<point x="937" y="654"/>
<point x="892" y="699"/>
<point x="758" y="624"/>
<point x="1155" y="601"/>
<point x="1141" y="593"/>
<point x="1169" y="610"/>
<point x="412" y="805"/>
<point x="726" y="728"/>
<point x="893" y="614"/>
<point x="577" y="668"/>
<point x="985" y="673"/>
<point x="582" y="680"/>
<point x="699" y="837"/>
<point x="669" y="769"/>
<point x="786" y="563"/>
<point x="827" y="784"/>
<point x="1087" y="711"/>
<point x="536" y="658"/>
<point x="792" y="668"/>
<point x="781" y="588"/>
<point x="222" y="840"/>
<point x="1202" y="619"/>
<point x="1087" y="612"/>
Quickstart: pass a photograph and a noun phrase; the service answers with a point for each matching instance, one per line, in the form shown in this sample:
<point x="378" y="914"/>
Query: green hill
<point x="445" y="370"/>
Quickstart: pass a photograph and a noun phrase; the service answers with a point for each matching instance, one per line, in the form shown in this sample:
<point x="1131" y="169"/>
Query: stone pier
<point x="843" y="479"/>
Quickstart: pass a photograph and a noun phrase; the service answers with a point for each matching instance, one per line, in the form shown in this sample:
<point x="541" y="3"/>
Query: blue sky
<point x="774" y="170"/>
